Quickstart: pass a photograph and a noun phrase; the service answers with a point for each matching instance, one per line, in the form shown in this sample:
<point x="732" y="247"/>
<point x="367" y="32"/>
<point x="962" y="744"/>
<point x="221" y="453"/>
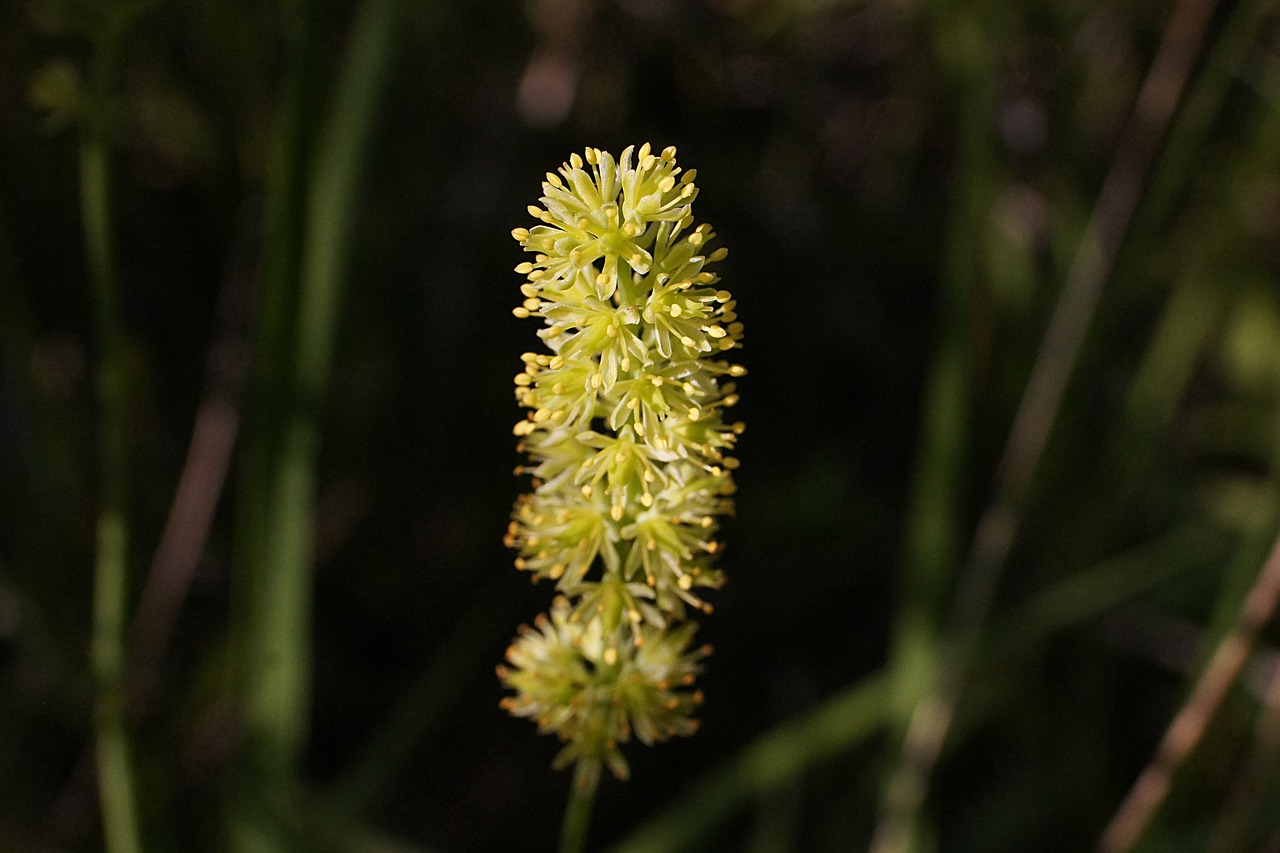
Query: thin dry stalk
<point x="1153" y="785"/>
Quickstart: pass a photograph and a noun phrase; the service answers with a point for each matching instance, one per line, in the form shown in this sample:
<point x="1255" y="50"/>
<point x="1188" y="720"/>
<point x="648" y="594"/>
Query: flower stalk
<point x="629" y="450"/>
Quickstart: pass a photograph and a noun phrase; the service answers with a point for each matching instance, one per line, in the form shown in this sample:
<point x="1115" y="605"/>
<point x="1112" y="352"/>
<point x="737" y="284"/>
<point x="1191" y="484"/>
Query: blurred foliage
<point x="902" y="186"/>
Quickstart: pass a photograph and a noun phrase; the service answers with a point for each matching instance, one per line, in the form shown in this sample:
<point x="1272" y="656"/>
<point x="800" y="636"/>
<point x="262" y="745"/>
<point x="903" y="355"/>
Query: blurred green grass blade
<point x="340" y="156"/>
<point x="1089" y="593"/>
<point x="297" y="346"/>
<point x="771" y="761"/>
<point x="935" y="524"/>
<point x="115" y="765"/>
<point x="1202" y="107"/>
<point x="937" y="516"/>
<point x="272" y="575"/>
<point x="1189" y="318"/>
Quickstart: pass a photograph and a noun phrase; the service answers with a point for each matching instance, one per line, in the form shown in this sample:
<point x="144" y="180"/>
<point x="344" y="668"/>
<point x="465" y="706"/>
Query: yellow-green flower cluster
<point x="629" y="449"/>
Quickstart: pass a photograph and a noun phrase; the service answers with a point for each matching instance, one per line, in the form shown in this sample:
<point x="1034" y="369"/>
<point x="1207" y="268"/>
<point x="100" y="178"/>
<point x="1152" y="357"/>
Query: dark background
<point x="888" y="176"/>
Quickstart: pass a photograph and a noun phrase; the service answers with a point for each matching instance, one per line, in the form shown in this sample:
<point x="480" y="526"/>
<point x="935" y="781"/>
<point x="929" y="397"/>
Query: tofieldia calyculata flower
<point x="628" y="447"/>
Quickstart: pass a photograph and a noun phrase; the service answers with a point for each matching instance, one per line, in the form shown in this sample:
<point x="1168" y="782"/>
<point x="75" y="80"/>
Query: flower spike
<point x="629" y="450"/>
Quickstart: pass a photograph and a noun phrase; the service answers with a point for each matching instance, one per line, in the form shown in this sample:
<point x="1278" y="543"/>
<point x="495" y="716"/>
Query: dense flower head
<point x="594" y="691"/>
<point x="629" y="446"/>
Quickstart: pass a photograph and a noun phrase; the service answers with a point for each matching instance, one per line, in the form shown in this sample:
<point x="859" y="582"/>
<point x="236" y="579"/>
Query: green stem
<point x="115" y="764"/>
<point x="934" y="532"/>
<point x="314" y="207"/>
<point x="577" y="813"/>
<point x="273" y="522"/>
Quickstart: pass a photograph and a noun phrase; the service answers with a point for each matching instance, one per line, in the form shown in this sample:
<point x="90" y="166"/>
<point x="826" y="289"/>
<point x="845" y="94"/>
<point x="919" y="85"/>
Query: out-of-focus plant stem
<point x="577" y="813"/>
<point x="110" y="587"/>
<point x="934" y="530"/>
<point x="1152" y="786"/>
<point x="313" y="205"/>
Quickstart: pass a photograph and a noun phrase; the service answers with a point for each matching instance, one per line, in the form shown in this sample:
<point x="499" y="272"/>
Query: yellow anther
<point x="521" y="234"/>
